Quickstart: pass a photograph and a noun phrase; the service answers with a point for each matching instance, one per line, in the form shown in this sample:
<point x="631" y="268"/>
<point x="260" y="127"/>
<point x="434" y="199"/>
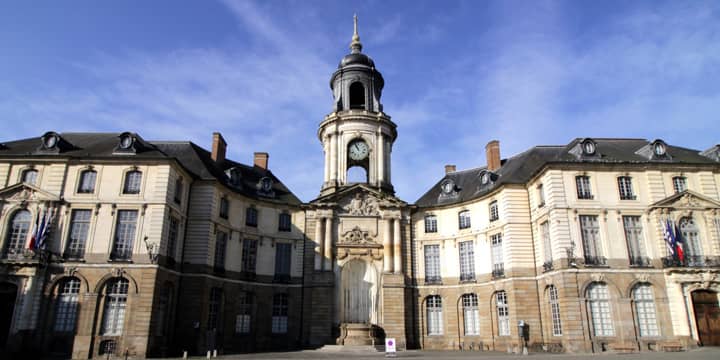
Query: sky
<point x="457" y="75"/>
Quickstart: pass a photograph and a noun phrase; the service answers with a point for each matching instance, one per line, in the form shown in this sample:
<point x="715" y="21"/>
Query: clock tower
<point x="357" y="133"/>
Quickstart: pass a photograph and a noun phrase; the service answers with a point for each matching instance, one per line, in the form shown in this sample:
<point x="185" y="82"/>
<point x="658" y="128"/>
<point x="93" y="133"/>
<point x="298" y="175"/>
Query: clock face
<point x="358" y="150"/>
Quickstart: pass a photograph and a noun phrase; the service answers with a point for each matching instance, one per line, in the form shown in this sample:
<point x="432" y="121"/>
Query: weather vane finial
<point x="355" y="45"/>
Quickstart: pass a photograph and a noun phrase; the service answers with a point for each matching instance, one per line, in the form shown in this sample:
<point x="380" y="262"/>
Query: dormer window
<point x="29" y="176"/>
<point x="126" y="141"/>
<point x="588" y="147"/>
<point x="447" y="187"/>
<point x="265" y="187"/>
<point x="50" y="140"/>
<point x="659" y="148"/>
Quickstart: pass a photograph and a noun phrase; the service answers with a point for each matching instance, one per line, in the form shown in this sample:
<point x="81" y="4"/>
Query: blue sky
<point x="457" y="74"/>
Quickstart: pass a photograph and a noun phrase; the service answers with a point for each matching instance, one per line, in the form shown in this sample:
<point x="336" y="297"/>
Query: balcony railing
<point x="433" y="280"/>
<point x="467" y="277"/>
<point x="121" y="255"/>
<point x="595" y="261"/>
<point x="692" y="261"/>
<point x="74" y="254"/>
<point x="640" y="261"/>
<point x="498" y="271"/>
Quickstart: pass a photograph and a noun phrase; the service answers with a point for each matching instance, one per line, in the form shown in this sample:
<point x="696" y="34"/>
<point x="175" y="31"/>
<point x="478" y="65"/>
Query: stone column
<point x="387" y="247"/>
<point x="319" y="240"/>
<point x="333" y="159"/>
<point x="326" y="151"/>
<point x="397" y="256"/>
<point x="380" y="158"/>
<point x="328" y="258"/>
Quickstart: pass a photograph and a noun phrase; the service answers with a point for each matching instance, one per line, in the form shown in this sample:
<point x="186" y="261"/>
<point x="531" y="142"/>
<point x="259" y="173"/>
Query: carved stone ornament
<point x="23" y="195"/>
<point x="706" y="278"/>
<point x="643" y="278"/>
<point x="548" y="281"/>
<point x="362" y="205"/>
<point x="70" y="271"/>
<point x="597" y="277"/>
<point x="117" y="272"/>
<point x="357" y="236"/>
<point x="688" y="201"/>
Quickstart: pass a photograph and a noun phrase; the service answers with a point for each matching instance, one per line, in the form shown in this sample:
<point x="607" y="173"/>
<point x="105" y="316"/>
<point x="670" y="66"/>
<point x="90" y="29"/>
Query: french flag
<point x="679" y="244"/>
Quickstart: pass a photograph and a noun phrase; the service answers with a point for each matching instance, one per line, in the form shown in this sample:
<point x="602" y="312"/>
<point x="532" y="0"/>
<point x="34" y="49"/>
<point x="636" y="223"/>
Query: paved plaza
<point x="706" y="353"/>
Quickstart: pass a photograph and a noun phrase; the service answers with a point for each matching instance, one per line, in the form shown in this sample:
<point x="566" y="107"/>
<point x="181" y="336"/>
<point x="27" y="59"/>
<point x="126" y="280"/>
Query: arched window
<point x="66" y="305"/>
<point x="503" y="313"/>
<point x="599" y="303"/>
<point x="554" y="310"/>
<point x="357" y="95"/>
<point x="17" y="232"/>
<point x="357" y="174"/>
<point x="116" y="293"/>
<point x="133" y="180"/>
<point x="645" y="310"/>
<point x="691" y="241"/>
<point x="471" y="316"/>
<point x="30" y="176"/>
<point x="434" y="315"/>
<point x="86" y="185"/>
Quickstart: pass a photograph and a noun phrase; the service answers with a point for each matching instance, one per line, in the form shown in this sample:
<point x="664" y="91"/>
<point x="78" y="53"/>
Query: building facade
<point x="112" y="244"/>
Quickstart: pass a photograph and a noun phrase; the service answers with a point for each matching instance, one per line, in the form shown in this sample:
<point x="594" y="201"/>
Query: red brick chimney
<point x="218" y="147"/>
<point x="449" y="169"/>
<point x="492" y="151"/>
<point x="261" y="160"/>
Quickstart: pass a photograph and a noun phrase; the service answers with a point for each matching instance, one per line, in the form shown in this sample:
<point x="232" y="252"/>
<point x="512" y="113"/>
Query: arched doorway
<point x="359" y="292"/>
<point x="8" y="294"/>
<point x="707" y="316"/>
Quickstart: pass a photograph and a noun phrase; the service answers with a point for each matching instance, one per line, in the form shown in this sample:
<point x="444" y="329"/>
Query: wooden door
<point x="707" y="317"/>
<point x="8" y="293"/>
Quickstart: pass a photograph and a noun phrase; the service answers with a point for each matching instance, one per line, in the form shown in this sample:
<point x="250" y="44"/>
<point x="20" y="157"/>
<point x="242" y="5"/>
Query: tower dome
<point x="356" y="84"/>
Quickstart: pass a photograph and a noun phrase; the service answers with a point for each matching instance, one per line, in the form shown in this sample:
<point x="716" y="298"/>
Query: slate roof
<point x="520" y="168"/>
<point x="196" y="160"/>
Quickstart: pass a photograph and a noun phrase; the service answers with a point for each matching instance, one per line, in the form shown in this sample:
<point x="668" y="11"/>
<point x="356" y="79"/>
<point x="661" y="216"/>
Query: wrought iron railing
<point x="124" y="255"/>
<point x="595" y="261"/>
<point x="498" y="271"/>
<point x="433" y="280"/>
<point x="640" y="261"/>
<point x="467" y="276"/>
<point x="692" y="261"/>
<point x="74" y="254"/>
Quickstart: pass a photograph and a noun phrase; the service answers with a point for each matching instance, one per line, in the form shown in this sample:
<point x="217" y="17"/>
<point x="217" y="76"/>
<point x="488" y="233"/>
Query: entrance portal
<point x="707" y="316"/>
<point x="358" y="293"/>
<point x="8" y="293"/>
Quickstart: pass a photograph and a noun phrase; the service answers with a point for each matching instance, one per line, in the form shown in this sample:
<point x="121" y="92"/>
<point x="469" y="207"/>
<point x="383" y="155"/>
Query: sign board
<point x="390" y="349"/>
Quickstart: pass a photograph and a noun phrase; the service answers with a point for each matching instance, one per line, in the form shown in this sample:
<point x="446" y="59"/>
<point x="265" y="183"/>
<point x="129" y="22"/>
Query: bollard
<point x="184" y="354"/>
<point x="208" y="354"/>
<point x="215" y="353"/>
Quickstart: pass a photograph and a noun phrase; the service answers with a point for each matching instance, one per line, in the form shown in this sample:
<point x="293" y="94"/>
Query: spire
<point x="355" y="44"/>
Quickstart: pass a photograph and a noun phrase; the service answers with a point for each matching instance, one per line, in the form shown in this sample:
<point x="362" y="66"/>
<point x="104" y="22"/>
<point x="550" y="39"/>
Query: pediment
<point x="24" y="192"/>
<point x="359" y="200"/>
<point x="687" y="200"/>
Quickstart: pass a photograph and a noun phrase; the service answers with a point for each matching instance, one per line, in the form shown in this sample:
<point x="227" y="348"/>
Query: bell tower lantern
<point x="357" y="133"/>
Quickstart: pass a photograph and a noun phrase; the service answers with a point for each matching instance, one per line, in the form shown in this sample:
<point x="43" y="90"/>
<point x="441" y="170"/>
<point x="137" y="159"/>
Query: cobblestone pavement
<point x="706" y="353"/>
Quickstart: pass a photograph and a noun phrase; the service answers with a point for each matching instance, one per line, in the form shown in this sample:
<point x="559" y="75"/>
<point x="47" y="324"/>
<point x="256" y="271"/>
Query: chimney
<point x="449" y="169"/>
<point x="492" y="151"/>
<point x="218" y="147"/>
<point x="261" y="160"/>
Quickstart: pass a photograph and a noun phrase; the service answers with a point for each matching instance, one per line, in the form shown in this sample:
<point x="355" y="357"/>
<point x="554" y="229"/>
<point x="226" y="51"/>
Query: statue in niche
<point x="360" y="206"/>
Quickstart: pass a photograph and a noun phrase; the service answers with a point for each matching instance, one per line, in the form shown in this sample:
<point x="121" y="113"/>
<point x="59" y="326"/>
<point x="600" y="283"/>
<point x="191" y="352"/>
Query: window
<point x="679" y="184"/>
<point x="173" y="230"/>
<point x="249" y="255"/>
<point x="224" y="206"/>
<point x="244" y="317"/>
<point x="66" y="305"/>
<point x="79" y="226"/>
<point x="283" y="252"/>
<point x="29" y="176"/>
<point x="434" y="315"/>
<point x="177" y="197"/>
<point x="541" y="195"/>
<point x="432" y="264"/>
<point x="251" y="217"/>
<point x="645" y="310"/>
<point x="496" y="249"/>
<point x="214" y="309"/>
<point x="599" y="303"/>
<point x="430" y="223"/>
<point x="18" y="232"/>
<point x="690" y="235"/>
<point x="493" y="210"/>
<point x="86" y="185"/>
<point x="583" y="187"/>
<point x="467" y="261"/>
<point x="116" y="292"/>
<point x="464" y="219"/>
<point x="133" y="179"/>
<point x="280" y="314"/>
<point x="503" y="313"/>
<point x="471" y="315"/>
<point x="547" y="245"/>
<point x="357" y="95"/>
<point x="590" y="231"/>
<point x="284" y="222"/>
<point x="220" y="247"/>
<point x="625" y="188"/>
<point x="633" y="236"/>
<point x="554" y="310"/>
<point x="124" y="235"/>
